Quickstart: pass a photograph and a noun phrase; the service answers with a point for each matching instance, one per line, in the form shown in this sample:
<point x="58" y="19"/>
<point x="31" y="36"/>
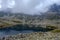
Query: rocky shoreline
<point x="34" y="36"/>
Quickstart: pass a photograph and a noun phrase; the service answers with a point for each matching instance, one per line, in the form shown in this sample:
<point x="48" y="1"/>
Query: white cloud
<point x="11" y="3"/>
<point x="44" y="6"/>
<point x="30" y="6"/>
<point x="0" y="6"/>
<point x="35" y="6"/>
<point x="0" y="1"/>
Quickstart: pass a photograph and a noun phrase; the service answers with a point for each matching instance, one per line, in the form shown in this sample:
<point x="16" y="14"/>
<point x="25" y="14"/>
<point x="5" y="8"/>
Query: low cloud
<point x="29" y="6"/>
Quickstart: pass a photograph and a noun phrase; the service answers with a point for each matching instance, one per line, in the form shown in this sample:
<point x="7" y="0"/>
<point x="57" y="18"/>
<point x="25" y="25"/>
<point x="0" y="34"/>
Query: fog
<point x="27" y="6"/>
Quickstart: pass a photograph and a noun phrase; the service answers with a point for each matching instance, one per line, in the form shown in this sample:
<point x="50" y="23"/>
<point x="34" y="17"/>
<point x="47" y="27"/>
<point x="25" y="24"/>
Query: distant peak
<point x="55" y="8"/>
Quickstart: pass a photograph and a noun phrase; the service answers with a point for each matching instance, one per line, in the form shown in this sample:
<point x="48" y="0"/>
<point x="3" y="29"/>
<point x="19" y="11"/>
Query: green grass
<point x="51" y="27"/>
<point x="17" y="21"/>
<point x="5" y="24"/>
<point x="56" y="31"/>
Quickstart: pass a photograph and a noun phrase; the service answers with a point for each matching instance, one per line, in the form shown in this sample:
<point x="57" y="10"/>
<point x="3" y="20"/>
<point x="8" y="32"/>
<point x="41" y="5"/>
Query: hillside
<point x="46" y="25"/>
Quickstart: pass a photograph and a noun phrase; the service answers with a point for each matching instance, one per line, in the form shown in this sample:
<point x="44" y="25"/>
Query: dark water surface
<point x="6" y="32"/>
<point x="20" y="29"/>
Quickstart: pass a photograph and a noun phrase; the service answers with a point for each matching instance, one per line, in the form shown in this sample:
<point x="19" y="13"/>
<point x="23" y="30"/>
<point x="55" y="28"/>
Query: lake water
<point x="4" y="33"/>
<point x="20" y="29"/>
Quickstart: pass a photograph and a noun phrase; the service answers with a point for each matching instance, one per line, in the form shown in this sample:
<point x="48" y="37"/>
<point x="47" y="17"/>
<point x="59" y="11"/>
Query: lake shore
<point x="34" y="36"/>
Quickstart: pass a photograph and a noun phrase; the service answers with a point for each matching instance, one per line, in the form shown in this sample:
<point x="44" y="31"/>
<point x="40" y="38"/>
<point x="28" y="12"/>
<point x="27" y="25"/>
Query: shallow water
<point x="4" y="33"/>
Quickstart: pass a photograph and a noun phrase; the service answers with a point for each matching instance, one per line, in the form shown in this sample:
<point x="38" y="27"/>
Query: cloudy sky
<point x="28" y="6"/>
